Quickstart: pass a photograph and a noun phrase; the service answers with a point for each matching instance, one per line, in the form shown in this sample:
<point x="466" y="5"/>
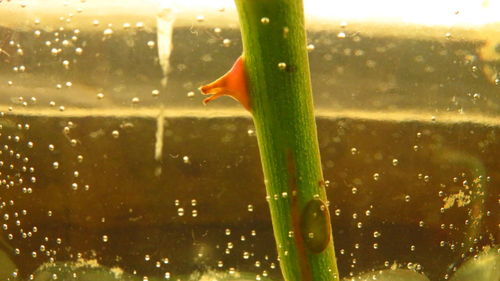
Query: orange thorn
<point x="233" y="84"/>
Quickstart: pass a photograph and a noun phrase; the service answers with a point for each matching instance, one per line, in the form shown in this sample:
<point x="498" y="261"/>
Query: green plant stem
<point x="277" y="68"/>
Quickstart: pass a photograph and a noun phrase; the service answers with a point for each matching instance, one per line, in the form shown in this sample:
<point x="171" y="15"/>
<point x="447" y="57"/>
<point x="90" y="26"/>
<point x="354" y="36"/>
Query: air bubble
<point x="282" y="66"/>
<point x="264" y="20"/>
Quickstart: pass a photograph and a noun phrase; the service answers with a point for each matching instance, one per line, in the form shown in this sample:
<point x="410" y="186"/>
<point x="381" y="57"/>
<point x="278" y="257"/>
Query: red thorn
<point x="233" y="84"/>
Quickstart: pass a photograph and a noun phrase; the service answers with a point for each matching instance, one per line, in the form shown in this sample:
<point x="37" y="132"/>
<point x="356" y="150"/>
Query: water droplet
<point x="100" y="96"/>
<point x="250" y="207"/>
<point x="246" y="255"/>
<point x="264" y="20"/>
<point x="376" y="176"/>
<point x="151" y="44"/>
<point x="341" y="35"/>
<point x="226" y="42"/>
<point x="180" y="212"/>
<point x="108" y="31"/>
<point x="115" y="134"/>
<point x="310" y="47"/>
<point x="155" y="93"/>
<point x="315" y="226"/>
<point x="282" y="66"/>
<point x="395" y="162"/>
<point x="105" y="238"/>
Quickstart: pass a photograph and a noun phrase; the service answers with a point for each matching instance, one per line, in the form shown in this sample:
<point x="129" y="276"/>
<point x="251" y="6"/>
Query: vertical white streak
<point x="160" y="128"/>
<point x="164" y="26"/>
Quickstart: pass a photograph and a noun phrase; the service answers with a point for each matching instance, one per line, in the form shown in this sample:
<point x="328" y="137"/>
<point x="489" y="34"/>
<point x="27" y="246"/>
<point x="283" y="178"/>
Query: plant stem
<point x="277" y="69"/>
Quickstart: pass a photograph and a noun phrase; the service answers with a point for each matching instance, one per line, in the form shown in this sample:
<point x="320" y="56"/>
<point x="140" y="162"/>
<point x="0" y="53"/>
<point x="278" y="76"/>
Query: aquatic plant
<point x="272" y="81"/>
